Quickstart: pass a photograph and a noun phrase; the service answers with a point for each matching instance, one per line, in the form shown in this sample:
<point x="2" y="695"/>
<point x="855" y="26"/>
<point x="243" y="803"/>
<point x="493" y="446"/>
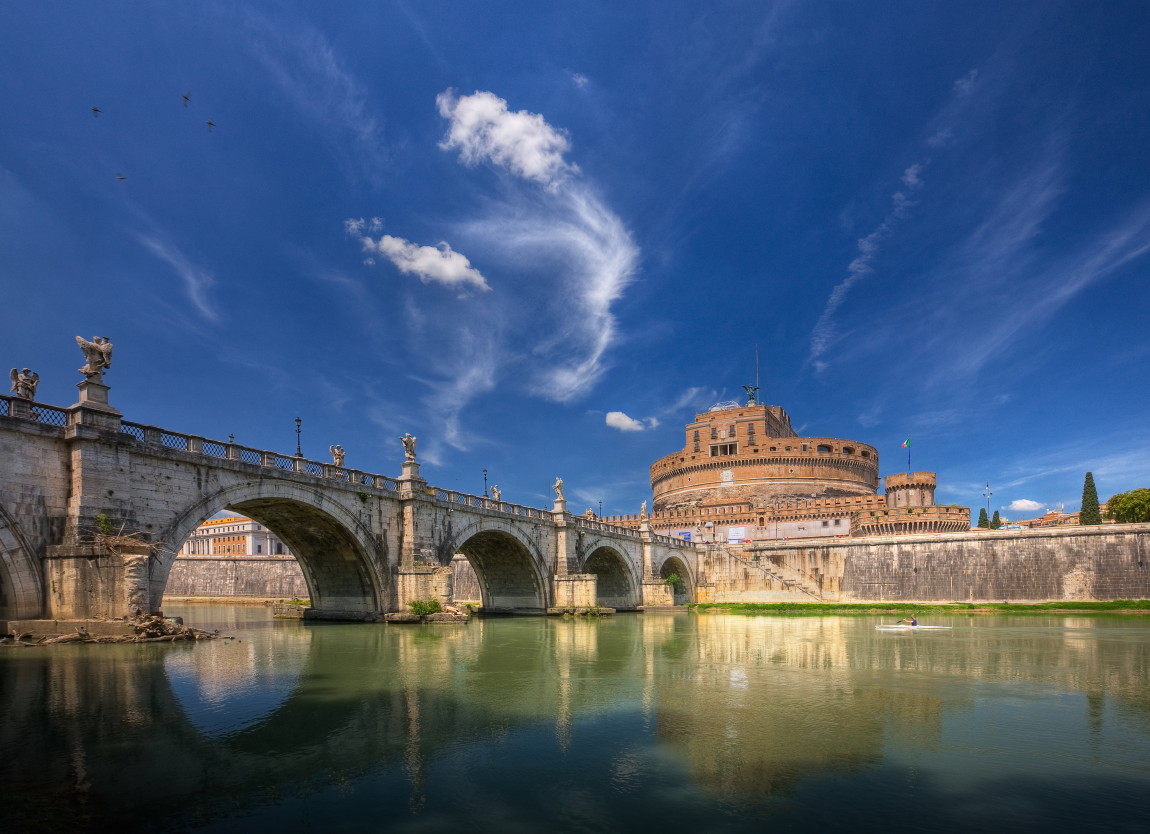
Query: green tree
<point x="983" y="521"/>
<point x="1129" y="507"/>
<point x="996" y="521"/>
<point x="1089" y="513"/>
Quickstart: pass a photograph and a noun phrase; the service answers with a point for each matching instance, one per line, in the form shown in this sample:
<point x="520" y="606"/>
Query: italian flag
<point x="906" y="443"/>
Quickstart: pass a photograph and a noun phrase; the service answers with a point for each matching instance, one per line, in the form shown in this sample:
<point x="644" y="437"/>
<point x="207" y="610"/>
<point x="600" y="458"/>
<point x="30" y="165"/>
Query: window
<point x="838" y="522"/>
<point x="696" y="435"/>
<point x="824" y="449"/>
<point x="714" y="433"/>
<point x="848" y="450"/>
<point x="722" y="449"/>
<point x="865" y="453"/>
<point x="826" y="524"/>
<point x="696" y="444"/>
<point x="259" y="549"/>
<point x="804" y="447"/>
<point x="731" y="431"/>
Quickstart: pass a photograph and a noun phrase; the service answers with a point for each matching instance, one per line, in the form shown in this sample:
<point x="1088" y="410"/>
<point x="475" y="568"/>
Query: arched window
<point x="824" y="449"/>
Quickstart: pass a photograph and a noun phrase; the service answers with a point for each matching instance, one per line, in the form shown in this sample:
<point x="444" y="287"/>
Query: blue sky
<point x="541" y="236"/>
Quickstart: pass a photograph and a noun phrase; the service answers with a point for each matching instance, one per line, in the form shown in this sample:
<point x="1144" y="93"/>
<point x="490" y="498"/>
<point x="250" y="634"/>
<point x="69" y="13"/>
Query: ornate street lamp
<point x="484" y="483"/>
<point x="298" y="450"/>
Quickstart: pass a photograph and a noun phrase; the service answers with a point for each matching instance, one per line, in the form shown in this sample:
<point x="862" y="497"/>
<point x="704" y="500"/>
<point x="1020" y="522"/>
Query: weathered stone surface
<point x="362" y="541"/>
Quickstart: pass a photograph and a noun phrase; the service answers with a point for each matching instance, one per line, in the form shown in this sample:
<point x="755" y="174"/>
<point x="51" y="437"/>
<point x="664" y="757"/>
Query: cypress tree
<point x="996" y="521"/>
<point x="1089" y="514"/>
<point x="983" y="521"/>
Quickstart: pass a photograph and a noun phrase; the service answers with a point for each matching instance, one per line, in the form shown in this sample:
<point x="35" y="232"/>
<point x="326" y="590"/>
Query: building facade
<point x="233" y="536"/>
<point x="744" y="474"/>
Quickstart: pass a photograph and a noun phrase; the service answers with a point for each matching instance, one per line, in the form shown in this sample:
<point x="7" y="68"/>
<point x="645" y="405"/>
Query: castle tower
<point x="912" y="489"/>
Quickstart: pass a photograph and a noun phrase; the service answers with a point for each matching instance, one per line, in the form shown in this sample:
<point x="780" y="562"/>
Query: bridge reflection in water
<point x="717" y="723"/>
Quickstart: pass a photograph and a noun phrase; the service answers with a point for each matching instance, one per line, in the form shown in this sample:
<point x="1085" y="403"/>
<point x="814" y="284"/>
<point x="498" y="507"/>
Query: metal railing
<point x="49" y="415"/>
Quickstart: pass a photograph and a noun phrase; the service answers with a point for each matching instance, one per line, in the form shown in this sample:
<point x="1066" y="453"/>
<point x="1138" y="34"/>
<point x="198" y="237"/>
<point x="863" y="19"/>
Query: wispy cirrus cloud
<point x="318" y="85"/>
<point x="196" y="281"/>
<point x="565" y="233"/>
<point x="825" y="333"/>
<point x="561" y="255"/>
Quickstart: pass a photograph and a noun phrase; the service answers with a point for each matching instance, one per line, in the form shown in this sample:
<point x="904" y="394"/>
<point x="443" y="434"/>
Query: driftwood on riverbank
<point x="145" y="629"/>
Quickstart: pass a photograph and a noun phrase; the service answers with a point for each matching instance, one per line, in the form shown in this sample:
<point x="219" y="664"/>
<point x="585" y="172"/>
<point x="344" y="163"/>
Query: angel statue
<point x="558" y="487"/>
<point x="408" y="447"/>
<point x="24" y="383"/>
<point x="97" y="355"/>
<point x="643" y="510"/>
<point x="496" y="495"/>
<point x="337" y="454"/>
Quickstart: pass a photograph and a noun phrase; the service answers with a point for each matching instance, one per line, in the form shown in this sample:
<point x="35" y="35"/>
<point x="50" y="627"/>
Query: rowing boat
<point x="912" y="628"/>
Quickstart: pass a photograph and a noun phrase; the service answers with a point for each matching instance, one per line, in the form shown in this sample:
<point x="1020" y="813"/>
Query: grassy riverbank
<point x="1121" y="606"/>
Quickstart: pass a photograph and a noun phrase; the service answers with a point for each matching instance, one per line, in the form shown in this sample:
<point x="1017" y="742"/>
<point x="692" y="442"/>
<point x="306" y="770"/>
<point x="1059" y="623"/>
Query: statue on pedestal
<point x="408" y="447"/>
<point x="97" y="356"/>
<point x="24" y="383"/>
<point x="337" y="454"/>
<point x="496" y="495"/>
<point x="558" y="487"/>
<point x="643" y="510"/>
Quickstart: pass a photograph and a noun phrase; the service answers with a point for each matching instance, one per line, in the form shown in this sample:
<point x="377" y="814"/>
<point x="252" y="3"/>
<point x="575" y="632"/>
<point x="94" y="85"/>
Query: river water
<point x="642" y="722"/>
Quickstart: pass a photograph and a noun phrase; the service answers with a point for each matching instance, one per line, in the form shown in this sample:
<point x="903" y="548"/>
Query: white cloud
<point x="963" y="85"/>
<point x="1024" y="505"/>
<point x="619" y="420"/>
<point x="435" y="264"/>
<point x="483" y="128"/>
<point x="197" y="281"/>
<point x="622" y="422"/>
<point x="910" y="177"/>
<point x="580" y="80"/>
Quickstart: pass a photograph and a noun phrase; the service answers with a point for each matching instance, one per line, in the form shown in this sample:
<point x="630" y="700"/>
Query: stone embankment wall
<point x="276" y="577"/>
<point x="1107" y="562"/>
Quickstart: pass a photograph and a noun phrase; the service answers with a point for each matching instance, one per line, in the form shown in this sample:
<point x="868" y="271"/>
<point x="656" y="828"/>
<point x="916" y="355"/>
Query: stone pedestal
<point x="92" y="409"/>
<point x="418" y="583"/>
<point x="88" y="580"/>
<point x="657" y="594"/>
<point x="18" y="407"/>
<point x="575" y="592"/>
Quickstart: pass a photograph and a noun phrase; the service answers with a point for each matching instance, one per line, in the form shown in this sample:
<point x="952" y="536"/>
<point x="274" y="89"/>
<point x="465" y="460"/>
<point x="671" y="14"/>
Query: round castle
<point x="743" y="474"/>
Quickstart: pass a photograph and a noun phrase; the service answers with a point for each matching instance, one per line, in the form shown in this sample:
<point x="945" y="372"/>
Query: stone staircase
<point x="790" y="579"/>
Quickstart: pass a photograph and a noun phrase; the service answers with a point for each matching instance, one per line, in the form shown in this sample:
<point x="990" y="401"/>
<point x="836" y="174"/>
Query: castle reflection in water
<point x="746" y="710"/>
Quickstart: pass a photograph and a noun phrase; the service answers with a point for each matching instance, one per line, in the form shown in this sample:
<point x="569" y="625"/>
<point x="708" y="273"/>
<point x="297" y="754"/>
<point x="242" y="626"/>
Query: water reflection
<point x="713" y="722"/>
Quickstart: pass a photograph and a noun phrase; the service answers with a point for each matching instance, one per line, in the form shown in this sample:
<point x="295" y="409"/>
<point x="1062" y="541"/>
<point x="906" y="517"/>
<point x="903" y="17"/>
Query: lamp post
<point x="298" y="450"/>
<point x="987" y="493"/>
<point x="600" y="508"/>
<point x="484" y="483"/>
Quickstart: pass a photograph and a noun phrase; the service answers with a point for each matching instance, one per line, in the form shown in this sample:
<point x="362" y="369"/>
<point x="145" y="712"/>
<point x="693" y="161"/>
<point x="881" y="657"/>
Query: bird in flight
<point x="96" y="111"/>
<point x="187" y="99"/>
<point x="120" y="177"/>
<point x="211" y="124"/>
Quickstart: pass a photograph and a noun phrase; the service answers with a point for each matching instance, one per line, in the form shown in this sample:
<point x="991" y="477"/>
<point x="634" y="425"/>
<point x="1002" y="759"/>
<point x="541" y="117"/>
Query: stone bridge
<point x="367" y="544"/>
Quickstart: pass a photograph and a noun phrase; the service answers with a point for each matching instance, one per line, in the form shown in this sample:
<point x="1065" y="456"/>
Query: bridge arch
<point x="345" y="570"/>
<point x="617" y="584"/>
<point x="21" y="588"/>
<point x="684" y="588"/>
<point x="511" y="572"/>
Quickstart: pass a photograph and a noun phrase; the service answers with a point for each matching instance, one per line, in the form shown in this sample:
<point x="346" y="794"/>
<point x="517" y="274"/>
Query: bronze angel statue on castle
<point x="97" y="355"/>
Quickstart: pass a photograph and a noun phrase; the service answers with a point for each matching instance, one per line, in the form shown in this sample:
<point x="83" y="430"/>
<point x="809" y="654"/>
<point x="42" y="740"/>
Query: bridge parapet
<point x="480" y="502"/>
<point x="48" y="415"/>
<point x="225" y="450"/>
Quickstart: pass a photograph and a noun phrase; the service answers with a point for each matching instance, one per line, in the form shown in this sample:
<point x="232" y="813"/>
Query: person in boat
<point x="911" y="620"/>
